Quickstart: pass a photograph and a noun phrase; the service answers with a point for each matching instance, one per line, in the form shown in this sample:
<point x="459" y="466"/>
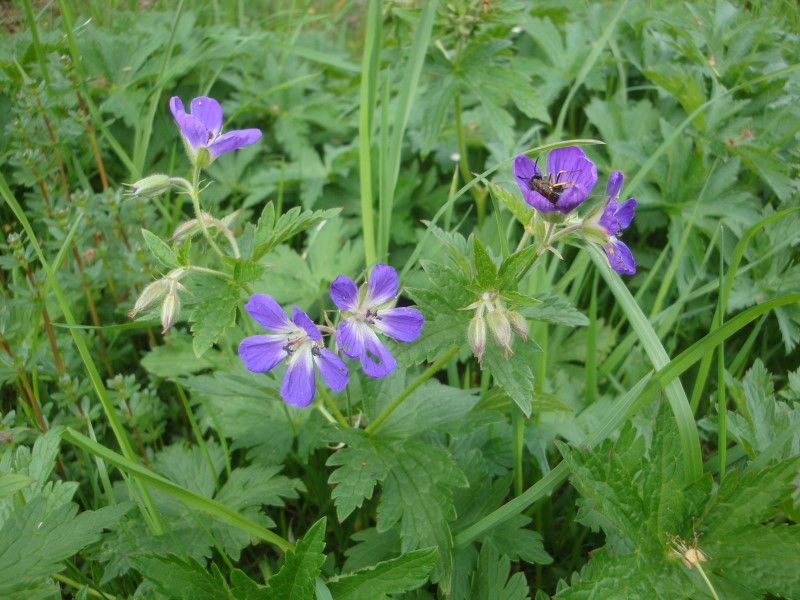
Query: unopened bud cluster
<point x="502" y="324"/>
<point x="163" y="291"/>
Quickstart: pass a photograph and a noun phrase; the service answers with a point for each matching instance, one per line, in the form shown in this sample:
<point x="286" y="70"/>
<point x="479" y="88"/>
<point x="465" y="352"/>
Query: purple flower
<point x="569" y="179"/>
<point x="298" y="342"/>
<point x="369" y="311"/>
<point x="201" y="129"/>
<point x="613" y="219"/>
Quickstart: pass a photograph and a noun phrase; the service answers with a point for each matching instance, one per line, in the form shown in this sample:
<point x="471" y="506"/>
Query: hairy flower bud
<point x="151" y="186"/>
<point x="151" y="295"/>
<point x="171" y="309"/>
<point x="500" y="328"/>
<point x="519" y="324"/>
<point x="476" y="336"/>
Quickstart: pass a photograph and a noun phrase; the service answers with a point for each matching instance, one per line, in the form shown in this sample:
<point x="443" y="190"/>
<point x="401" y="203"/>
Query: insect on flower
<point x="569" y="178"/>
<point x="548" y="188"/>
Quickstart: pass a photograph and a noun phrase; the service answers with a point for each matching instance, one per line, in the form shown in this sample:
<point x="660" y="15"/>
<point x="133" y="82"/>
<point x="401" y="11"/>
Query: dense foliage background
<point x="136" y="464"/>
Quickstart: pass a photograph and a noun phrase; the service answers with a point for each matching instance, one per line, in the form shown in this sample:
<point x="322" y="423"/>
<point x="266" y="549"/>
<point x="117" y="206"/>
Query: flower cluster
<point x="567" y="182"/>
<point x="297" y="342"/>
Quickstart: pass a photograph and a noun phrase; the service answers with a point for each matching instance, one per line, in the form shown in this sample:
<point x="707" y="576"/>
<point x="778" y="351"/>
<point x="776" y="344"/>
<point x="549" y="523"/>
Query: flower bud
<point x="592" y="232"/>
<point x="151" y="186"/>
<point x="476" y="336"/>
<point x="150" y="296"/>
<point x="170" y="310"/>
<point x="202" y="158"/>
<point x="500" y="328"/>
<point x="519" y="324"/>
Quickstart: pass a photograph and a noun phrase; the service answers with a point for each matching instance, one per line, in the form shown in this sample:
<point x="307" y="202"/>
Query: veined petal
<point x="331" y="367"/>
<point x="524" y="169"/>
<point x="620" y="257"/>
<point x="209" y="113"/>
<point x="268" y="313"/>
<point x="350" y="336"/>
<point x="192" y="129"/>
<point x="570" y="164"/>
<point x="260" y="353"/>
<point x="302" y="320"/>
<point x="233" y="140"/>
<point x="403" y="323"/>
<point x="376" y="360"/>
<point x="614" y="184"/>
<point x="382" y="286"/>
<point x="571" y="197"/>
<point x="344" y="293"/>
<point x="297" y="388"/>
<point x="176" y="106"/>
<point x="624" y="213"/>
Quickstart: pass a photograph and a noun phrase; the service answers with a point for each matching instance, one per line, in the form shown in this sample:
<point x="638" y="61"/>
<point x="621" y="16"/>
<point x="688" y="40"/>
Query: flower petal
<point x="302" y="320"/>
<point x="570" y="164"/>
<point x="268" y="313"/>
<point x="344" y="293"/>
<point x="209" y="113"/>
<point x="620" y="257"/>
<point x="524" y="170"/>
<point x="261" y="353"/>
<point x="376" y="360"/>
<point x="176" y="106"/>
<point x="192" y="129"/>
<point x="382" y="286"/>
<point x="614" y="184"/>
<point x="624" y="213"/>
<point x="350" y="336"/>
<point x="233" y="140"/>
<point x="297" y="388"/>
<point x="403" y="323"/>
<point x="332" y="368"/>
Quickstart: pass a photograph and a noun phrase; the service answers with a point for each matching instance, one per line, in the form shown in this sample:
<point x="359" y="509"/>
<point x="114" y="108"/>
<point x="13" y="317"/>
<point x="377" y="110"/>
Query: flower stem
<point x="564" y="232"/>
<point x="326" y="398"/>
<point x="708" y="583"/>
<point x="427" y="374"/>
<point x="195" y="194"/>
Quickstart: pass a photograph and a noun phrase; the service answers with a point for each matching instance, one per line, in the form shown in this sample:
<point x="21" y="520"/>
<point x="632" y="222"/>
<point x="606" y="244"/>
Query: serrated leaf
<point x="160" y="250"/>
<point x="270" y="233"/>
<point x="485" y="269"/>
<point x="514" y="540"/>
<point x="417" y="494"/>
<point x="244" y="588"/>
<point x="360" y="468"/>
<point x="513" y="373"/>
<point x="491" y="581"/>
<point x="33" y="542"/>
<point x="401" y="574"/>
<point x="212" y="316"/>
<point x="181" y="579"/>
<point x="554" y="310"/>
<point x="12" y="482"/>
<point x="247" y="271"/>
<point x="516" y="265"/>
<point x="519" y="208"/>
<point x="295" y="580"/>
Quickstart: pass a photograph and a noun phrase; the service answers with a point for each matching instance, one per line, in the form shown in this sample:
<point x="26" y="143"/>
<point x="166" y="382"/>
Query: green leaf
<point x="35" y="540"/>
<point x="212" y="316"/>
<point x="518" y="543"/>
<point x="553" y="310"/>
<point x="417" y="493"/>
<point x="491" y="581"/>
<point x="516" y="265"/>
<point x="181" y="579"/>
<point x="360" y="468"/>
<point x="518" y="207"/>
<point x="401" y="574"/>
<point x="160" y="250"/>
<point x="247" y="271"/>
<point x="513" y="373"/>
<point x="269" y="233"/>
<point x="485" y="269"/>
<point x="12" y="482"/>
<point x="295" y="580"/>
<point x="184" y="253"/>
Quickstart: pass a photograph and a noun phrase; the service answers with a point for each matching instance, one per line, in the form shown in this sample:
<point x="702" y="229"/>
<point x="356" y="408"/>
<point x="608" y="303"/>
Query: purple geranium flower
<point x="569" y="179"/>
<point x="369" y="311"/>
<point x="614" y="218"/>
<point x="297" y="341"/>
<point x="202" y="128"/>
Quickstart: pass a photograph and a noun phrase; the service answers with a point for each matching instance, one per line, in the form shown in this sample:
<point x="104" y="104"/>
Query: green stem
<point x="518" y="421"/>
<point x="427" y="374"/>
<point x="708" y="583"/>
<point x="198" y="436"/>
<point x="195" y="195"/>
<point x="326" y="398"/>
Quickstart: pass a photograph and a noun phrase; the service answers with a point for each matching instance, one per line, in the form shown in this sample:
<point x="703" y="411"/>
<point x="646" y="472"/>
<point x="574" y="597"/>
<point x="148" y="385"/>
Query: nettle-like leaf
<point x="640" y="501"/>
<point x="295" y="580"/>
<point x="491" y="581"/>
<point x="360" y="468"/>
<point x="553" y="310"/>
<point x="269" y="232"/>
<point x="513" y="373"/>
<point x="182" y="579"/>
<point x="212" y="316"/>
<point x="34" y="540"/>
<point x="401" y="574"/>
